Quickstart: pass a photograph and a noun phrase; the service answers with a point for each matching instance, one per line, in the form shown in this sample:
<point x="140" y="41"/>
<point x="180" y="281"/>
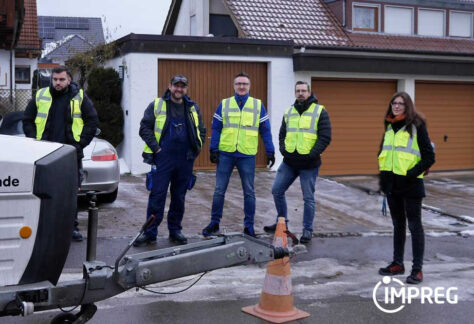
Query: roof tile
<point x="312" y="23"/>
<point x="29" y="38"/>
<point x="306" y="22"/>
<point x="412" y="43"/>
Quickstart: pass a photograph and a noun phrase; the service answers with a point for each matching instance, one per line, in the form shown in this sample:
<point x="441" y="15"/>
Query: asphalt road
<point x="333" y="281"/>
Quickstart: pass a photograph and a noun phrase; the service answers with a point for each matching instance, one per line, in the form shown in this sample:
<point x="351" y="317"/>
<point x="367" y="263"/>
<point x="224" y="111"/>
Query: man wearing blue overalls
<point x="174" y="134"/>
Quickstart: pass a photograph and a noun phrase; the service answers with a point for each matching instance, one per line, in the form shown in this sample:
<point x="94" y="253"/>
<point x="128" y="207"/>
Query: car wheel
<point x="109" y="197"/>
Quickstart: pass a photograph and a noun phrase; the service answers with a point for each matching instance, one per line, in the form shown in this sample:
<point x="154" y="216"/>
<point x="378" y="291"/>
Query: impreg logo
<point x="404" y="295"/>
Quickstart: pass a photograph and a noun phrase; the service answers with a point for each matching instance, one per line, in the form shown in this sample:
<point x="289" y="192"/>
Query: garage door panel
<point x="356" y="109"/>
<point x="209" y="83"/>
<point x="449" y="109"/>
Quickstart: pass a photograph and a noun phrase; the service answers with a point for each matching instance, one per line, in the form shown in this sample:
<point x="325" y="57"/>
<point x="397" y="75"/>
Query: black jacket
<point x="147" y="126"/>
<point x="313" y="159"/>
<point x="61" y="105"/>
<point x="409" y="185"/>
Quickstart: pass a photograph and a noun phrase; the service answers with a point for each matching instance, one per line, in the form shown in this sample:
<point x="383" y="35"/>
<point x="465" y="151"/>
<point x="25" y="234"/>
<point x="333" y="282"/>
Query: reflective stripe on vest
<point x="159" y="108"/>
<point x="43" y="104"/>
<point x="302" y="130"/>
<point x="400" y="151"/>
<point x="240" y="127"/>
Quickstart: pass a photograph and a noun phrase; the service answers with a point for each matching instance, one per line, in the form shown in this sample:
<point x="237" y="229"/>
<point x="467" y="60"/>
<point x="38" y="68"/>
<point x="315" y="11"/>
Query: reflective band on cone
<point x="276" y="301"/>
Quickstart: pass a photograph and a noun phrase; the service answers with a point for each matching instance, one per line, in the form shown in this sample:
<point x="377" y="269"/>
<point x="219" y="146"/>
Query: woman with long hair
<point x="405" y="154"/>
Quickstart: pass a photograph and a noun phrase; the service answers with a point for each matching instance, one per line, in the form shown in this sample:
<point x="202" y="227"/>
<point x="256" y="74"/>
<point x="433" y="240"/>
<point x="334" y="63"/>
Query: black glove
<point x="270" y="160"/>
<point x="214" y="157"/>
<point x="313" y="155"/>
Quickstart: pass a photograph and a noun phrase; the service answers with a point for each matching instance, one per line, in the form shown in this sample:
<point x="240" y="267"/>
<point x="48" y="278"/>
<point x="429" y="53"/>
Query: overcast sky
<point x="119" y="17"/>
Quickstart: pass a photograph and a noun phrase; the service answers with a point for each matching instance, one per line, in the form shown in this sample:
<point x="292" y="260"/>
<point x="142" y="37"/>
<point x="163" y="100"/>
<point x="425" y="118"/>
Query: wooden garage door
<point x="449" y="109"/>
<point x="209" y="83"/>
<point x="356" y="109"/>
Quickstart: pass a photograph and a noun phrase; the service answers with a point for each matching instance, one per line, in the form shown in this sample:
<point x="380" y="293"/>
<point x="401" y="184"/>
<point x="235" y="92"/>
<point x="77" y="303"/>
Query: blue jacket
<point x="147" y="126"/>
<point x="263" y="128"/>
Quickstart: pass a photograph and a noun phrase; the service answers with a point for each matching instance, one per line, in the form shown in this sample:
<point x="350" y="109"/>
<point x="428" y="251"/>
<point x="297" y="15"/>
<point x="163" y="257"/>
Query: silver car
<point x="100" y="161"/>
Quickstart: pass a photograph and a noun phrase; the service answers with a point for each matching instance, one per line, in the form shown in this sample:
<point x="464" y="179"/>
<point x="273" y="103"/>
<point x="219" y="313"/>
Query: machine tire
<point x="109" y="197"/>
<point x="64" y="318"/>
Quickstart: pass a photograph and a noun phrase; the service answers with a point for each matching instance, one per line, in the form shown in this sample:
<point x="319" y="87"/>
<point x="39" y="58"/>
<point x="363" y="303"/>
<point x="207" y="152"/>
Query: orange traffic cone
<point x="276" y="301"/>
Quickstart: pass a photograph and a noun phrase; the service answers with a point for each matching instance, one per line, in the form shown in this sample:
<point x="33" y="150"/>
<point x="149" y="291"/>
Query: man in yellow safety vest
<point x="62" y="113"/>
<point x="305" y="133"/>
<point x="235" y="127"/>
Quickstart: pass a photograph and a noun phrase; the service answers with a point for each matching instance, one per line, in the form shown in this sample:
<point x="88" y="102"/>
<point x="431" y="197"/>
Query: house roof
<point x="65" y="48"/>
<point x="412" y="43"/>
<point x="306" y="22"/>
<point x="29" y="40"/>
<point x="54" y="29"/>
<point x="311" y="23"/>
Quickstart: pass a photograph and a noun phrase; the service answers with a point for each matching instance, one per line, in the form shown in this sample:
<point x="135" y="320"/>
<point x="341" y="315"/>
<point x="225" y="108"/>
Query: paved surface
<point x="341" y="206"/>
<point x="334" y="281"/>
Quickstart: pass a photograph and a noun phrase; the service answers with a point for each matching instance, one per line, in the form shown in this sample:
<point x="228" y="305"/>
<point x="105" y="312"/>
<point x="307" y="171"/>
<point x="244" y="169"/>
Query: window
<point x="431" y="22"/>
<point x="365" y="18"/>
<point x="460" y="24"/>
<point x="398" y="20"/>
<point x="222" y="25"/>
<point x="22" y="74"/>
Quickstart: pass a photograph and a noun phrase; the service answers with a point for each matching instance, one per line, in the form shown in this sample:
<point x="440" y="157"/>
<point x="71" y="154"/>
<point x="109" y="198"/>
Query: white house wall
<point x="140" y="87"/>
<point x="200" y="8"/>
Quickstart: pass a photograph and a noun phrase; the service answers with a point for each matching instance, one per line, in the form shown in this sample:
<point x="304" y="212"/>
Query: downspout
<point x="11" y="75"/>
<point x="344" y="13"/>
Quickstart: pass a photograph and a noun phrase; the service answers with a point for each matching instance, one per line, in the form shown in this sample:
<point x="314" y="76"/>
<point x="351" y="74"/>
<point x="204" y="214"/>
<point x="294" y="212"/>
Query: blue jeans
<point x="246" y="168"/>
<point x="286" y="175"/>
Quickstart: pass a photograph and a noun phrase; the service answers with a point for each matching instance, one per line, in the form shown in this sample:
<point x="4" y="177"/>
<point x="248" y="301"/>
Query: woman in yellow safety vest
<point x="405" y="154"/>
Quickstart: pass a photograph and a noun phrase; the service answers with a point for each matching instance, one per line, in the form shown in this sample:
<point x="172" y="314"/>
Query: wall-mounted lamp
<point x="121" y="72"/>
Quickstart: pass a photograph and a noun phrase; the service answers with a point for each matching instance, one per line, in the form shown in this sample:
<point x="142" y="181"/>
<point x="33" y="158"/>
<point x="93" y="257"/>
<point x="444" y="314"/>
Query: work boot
<point x="211" y="229"/>
<point x="306" y="237"/>
<point x="76" y="235"/>
<point x="270" y="228"/>
<point x="392" y="269"/>
<point x="178" y="237"/>
<point x="249" y="231"/>
<point x="415" y="277"/>
<point x="144" y="240"/>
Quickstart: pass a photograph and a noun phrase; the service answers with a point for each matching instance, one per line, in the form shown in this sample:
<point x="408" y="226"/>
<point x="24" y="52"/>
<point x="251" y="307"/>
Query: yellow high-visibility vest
<point x="43" y="104"/>
<point x="400" y="151"/>
<point x="302" y="130"/>
<point x="159" y="108"/>
<point x="240" y="127"/>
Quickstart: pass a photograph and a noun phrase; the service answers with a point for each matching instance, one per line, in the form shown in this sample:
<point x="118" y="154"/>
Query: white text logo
<point x="404" y="295"/>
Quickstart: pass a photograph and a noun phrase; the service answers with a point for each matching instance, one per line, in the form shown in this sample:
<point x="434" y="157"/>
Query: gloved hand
<point x="270" y="160"/>
<point x="214" y="157"/>
<point x="313" y="155"/>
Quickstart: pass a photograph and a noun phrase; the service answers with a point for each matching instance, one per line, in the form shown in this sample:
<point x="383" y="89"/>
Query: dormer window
<point x="398" y="20"/>
<point x="460" y="24"/>
<point x="365" y="18"/>
<point x="431" y="22"/>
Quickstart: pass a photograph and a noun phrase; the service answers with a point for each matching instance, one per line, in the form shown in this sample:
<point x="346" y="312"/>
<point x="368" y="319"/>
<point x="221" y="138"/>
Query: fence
<point x="14" y="101"/>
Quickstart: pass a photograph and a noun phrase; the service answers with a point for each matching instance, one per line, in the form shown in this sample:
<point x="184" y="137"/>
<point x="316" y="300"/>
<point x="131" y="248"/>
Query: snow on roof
<point x="50" y="47"/>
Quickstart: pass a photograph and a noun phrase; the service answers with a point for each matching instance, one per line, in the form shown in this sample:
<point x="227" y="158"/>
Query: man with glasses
<point x="235" y="127"/>
<point x="305" y="133"/>
<point x="174" y="134"/>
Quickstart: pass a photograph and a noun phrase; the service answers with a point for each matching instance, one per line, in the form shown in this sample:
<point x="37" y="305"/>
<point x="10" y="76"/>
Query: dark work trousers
<point x="173" y="168"/>
<point x="401" y="209"/>
<point x="80" y="178"/>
